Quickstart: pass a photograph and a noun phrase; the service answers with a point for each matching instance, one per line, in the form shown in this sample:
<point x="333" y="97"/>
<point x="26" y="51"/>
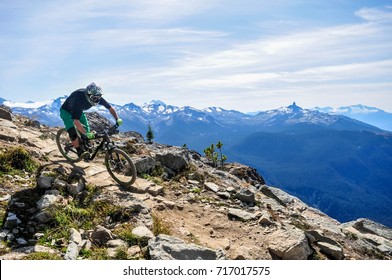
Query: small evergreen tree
<point x="222" y="158"/>
<point x="211" y="154"/>
<point x="214" y="156"/>
<point x="150" y="134"/>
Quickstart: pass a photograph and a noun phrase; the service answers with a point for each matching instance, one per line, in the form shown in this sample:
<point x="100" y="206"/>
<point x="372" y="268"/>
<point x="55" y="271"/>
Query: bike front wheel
<point x="65" y="146"/>
<point x="120" y="167"/>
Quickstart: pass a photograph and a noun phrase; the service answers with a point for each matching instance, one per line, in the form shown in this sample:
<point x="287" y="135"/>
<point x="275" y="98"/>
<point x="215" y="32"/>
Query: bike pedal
<point x="85" y="156"/>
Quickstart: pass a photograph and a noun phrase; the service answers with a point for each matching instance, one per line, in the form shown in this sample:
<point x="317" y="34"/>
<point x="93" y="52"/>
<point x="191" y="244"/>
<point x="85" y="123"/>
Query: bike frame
<point x="106" y="144"/>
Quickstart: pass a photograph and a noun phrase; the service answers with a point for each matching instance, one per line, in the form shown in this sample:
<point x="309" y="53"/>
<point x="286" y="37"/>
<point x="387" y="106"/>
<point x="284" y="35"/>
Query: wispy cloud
<point x="114" y="38"/>
<point x="376" y="14"/>
<point x="327" y="48"/>
<point x="68" y="14"/>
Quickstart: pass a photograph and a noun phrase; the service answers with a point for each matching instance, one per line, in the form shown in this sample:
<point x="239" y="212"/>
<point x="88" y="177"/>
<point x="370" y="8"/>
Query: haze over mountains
<point x="338" y="164"/>
<point x="372" y="115"/>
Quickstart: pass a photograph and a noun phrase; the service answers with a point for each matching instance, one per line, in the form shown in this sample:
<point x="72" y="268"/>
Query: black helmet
<point x="93" y="93"/>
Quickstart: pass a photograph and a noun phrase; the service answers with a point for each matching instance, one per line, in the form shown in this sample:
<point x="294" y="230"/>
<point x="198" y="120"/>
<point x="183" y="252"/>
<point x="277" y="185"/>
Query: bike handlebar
<point x="110" y="131"/>
<point x="107" y="131"/>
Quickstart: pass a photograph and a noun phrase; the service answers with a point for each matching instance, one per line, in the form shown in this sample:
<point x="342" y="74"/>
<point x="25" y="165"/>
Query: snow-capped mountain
<point x="158" y="114"/>
<point x="354" y="109"/>
<point x="47" y="112"/>
<point x="293" y="116"/>
<point x="165" y="118"/>
<point x="158" y="108"/>
<point x="371" y="115"/>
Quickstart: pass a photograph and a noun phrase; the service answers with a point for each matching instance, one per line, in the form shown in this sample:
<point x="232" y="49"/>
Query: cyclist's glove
<point x="90" y="135"/>
<point x="119" y="121"/>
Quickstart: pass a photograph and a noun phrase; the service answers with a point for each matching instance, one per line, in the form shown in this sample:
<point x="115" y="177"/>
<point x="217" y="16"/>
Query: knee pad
<point x="72" y="133"/>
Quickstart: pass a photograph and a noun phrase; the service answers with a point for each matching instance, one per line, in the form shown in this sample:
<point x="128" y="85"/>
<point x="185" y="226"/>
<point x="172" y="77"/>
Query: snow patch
<point x="27" y="105"/>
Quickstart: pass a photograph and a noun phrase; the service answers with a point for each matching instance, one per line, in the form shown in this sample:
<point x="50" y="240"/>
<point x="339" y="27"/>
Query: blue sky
<point x="245" y="55"/>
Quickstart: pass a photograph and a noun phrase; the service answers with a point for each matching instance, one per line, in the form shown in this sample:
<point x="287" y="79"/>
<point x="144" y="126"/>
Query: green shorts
<point x="69" y="122"/>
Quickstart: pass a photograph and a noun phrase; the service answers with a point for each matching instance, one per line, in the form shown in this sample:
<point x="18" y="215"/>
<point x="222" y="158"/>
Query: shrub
<point x="17" y="159"/>
<point x="159" y="226"/>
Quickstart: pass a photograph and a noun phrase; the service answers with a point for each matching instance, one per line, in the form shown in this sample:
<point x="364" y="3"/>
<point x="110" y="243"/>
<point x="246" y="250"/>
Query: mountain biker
<point x="73" y="116"/>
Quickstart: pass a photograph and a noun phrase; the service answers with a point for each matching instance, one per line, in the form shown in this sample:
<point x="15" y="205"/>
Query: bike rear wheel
<point x="65" y="146"/>
<point x="120" y="167"/>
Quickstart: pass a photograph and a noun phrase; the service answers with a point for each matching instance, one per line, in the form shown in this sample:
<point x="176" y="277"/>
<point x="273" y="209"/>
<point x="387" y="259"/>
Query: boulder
<point x="45" y="182"/>
<point x="164" y="247"/>
<point x="372" y="227"/>
<point x="288" y="244"/>
<point x="212" y="186"/>
<point x="280" y="196"/>
<point x="9" y="131"/>
<point x="246" y="173"/>
<point x="332" y="251"/>
<point x="76" y="188"/>
<point x="246" y="196"/>
<point x="47" y="200"/>
<point x="142" y="232"/>
<point x="11" y="221"/>
<point x="144" y="165"/>
<point x="241" y="214"/>
<point x="317" y="236"/>
<point x="6" y="113"/>
<point x="72" y="251"/>
<point x="101" y="235"/>
<point x="174" y="160"/>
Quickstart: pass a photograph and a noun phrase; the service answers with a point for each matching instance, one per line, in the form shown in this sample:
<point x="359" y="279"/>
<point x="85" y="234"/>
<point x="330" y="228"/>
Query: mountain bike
<point x="118" y="163"/>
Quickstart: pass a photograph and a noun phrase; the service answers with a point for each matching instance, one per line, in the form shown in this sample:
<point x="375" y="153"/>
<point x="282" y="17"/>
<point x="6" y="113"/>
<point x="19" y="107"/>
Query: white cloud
<point x="376" y="14"/>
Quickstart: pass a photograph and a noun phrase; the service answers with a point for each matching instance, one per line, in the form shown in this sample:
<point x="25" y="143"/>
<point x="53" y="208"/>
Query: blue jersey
<point x="77" y="102"/>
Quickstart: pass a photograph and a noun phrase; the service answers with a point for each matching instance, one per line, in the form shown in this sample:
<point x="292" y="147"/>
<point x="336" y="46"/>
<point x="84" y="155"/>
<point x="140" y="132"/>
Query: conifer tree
<point x="222" y="158"/>
<point x="150" y="134"/>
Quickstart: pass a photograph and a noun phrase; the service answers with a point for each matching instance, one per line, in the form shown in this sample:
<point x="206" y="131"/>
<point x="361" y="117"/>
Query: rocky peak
<point x="294" y="108"/>
<point x="180" y="207"/>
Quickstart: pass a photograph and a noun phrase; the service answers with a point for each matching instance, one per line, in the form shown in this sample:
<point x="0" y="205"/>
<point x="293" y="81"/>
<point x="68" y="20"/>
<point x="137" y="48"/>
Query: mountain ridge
<point x="149" y="110"/>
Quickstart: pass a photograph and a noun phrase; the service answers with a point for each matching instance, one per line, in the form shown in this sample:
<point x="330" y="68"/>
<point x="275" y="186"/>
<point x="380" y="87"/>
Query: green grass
<point x="72" y="216"/>
<point x="124" y="231"/>
<point x="42" y="256"/>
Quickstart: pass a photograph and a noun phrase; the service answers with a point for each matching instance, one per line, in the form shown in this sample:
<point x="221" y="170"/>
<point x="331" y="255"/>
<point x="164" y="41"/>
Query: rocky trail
<point x="180" y="207"/>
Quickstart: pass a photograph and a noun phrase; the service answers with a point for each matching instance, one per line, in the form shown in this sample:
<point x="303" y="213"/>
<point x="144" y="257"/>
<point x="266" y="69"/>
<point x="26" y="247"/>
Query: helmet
<point x="93" y="93"/>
